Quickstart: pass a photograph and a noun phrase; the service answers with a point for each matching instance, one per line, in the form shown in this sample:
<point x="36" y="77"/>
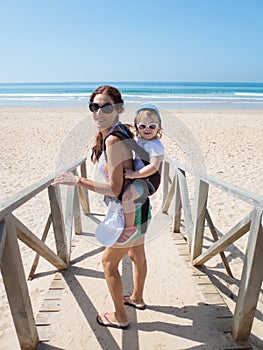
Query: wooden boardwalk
<point x="173" y="320"/>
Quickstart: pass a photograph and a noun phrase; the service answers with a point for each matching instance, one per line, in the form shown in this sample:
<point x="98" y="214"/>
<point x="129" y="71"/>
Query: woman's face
<point x="104" y="121"/>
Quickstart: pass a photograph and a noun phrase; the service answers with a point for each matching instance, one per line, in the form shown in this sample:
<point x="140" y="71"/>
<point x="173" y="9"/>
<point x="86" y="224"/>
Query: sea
<point x="175" y="95"/>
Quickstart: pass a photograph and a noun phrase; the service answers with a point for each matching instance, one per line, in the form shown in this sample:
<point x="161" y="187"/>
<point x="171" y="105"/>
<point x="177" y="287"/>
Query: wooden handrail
<point x="24" y="195"/>
<point x="246" y="196"/>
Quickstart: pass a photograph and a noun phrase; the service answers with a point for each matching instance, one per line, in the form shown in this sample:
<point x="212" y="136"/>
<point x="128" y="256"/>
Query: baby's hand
<point x="129" y="174"/>
<point x="66" y="179"/>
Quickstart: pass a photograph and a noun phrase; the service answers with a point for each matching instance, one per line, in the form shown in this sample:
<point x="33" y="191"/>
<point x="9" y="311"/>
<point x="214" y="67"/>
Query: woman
<point x="106" y="104"/>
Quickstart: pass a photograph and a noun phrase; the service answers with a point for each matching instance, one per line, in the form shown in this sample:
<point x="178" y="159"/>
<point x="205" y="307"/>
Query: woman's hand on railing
<point x="66" y="179"/>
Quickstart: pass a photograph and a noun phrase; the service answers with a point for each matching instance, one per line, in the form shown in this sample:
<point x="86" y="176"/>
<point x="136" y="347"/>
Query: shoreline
<point x="178" y="110"/>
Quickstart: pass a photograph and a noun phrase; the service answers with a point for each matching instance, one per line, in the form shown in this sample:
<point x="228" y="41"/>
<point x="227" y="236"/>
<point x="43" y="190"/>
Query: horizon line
<point x="131" y="81"/>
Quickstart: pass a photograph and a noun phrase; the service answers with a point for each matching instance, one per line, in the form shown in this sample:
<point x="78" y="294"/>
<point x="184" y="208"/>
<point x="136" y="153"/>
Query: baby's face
<point x="147" y="127"/>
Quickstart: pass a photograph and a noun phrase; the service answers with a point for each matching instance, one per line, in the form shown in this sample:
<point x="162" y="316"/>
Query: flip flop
<point x="137" y="304"/>
<point x="127" y="234"/>
<point x="104" y="321"/>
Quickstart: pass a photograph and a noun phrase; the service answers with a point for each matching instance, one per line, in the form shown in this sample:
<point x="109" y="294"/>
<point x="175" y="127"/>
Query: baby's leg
<point x="129" y="196"/>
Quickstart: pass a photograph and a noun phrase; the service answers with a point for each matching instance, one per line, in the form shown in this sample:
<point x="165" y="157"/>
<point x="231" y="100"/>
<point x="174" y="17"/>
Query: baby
<point x="148" y="129"/>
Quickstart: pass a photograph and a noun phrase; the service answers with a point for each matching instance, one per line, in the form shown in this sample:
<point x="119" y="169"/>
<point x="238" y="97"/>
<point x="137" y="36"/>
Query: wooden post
<point x="2" y="239"/>
<point x="199" y="221"/>
<point x="83" y="192"/>
<point x="177" y="207"/>
<point x="69" y="218"/>
<point x="169" y="197"/>
<point x="165" y="181"/>
<point x="186" y="205"/>
<point x="58" y="223"/>
<point x="214" y="231"/>
<point x="77" y="216"/>
<point x="251" y="280"/>
<point x="16" y="290"/>
<point x="43" y="239"/>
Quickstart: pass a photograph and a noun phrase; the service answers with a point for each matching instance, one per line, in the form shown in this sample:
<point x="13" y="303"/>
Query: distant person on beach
<point x="115" y="159"/>
<point x="146" y="177"/>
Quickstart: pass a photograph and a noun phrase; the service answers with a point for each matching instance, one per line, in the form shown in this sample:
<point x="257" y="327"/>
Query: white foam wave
<point x="249" y="94"/>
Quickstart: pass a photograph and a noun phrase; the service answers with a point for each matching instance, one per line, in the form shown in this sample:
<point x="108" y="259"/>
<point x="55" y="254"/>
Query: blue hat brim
<point x="149" y="106"/>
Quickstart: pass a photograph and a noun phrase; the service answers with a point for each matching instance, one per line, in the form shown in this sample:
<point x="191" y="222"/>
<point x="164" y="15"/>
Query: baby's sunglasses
<point x="107" y="108"/>
<point x="152" y="126"/>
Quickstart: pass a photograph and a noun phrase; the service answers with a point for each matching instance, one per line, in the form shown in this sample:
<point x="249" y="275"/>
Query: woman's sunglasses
<point x="107" y="108"/>
<point x="152" y="126"/>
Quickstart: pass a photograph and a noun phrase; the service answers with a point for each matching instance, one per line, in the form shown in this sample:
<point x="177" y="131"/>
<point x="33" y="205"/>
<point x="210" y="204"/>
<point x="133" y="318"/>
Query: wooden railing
<point x="10" y="257"/>
<point x="175" y="187"/>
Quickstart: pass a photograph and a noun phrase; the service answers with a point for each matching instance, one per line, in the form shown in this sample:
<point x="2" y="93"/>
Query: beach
<point x="36" y="142"/>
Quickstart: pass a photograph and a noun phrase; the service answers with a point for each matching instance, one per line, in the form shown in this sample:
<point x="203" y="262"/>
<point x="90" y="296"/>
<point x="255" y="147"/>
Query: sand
<point x="225" y="144"/>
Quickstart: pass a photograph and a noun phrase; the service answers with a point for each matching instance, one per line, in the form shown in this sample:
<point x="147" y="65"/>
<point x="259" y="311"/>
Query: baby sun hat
<point x="148" y="106"/>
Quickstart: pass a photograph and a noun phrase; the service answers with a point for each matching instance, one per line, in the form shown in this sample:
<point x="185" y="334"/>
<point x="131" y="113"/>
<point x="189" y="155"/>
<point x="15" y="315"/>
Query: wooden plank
<point x="213" y="298"/>
<point x="238" y="347"/>
<point x="203" y="280"/>
<point x="207" y="288"/>
<point x="235" y="233"/>
<point x="54" y="294"/>
<point x="185" y="205"/>
<point x="58" y="276"/>
<point x="2" y="239"/>
<point x="69" y="217"/>
<point x="198" y="271"/>
<point x="223" y="312"/>
<point x="165" y="175"/>
<point x="77" y="215"/>
<point x="251" y="281"/>
<point x="42" y="319"/>
<point x="177" y="236"/>
<point x="58" y="223"/>
<point x="215" y="237"/>
<point x="43" y="239"/>
<point x="24" y="195"/>
<point x="199" y="222"/>
<point x="57" y="284"/>
<point x="221" y="324"/>
<point x="16" y="290"/>
<point x="169" y="197"/>
<point x="26" y="236"/>
<point x="177" y="207"/>
<point x="50" y="306"/>
<point x="181" y="242"/>
<point x="83" y="192"/>
<point x="45" y="333"/>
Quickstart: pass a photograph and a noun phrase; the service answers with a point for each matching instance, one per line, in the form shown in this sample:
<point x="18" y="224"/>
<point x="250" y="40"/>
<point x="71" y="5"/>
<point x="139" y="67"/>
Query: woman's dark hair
<point x="115" y="95"/>
<point x="112" y="92"/>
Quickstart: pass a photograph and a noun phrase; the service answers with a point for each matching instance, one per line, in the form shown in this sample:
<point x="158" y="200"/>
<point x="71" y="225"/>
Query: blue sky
<point x="135" y="40"/>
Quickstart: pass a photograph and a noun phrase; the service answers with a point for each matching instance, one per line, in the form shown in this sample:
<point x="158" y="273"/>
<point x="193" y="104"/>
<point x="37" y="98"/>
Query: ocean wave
<point x="249" y="94"/>
<point x="77" y="94"/>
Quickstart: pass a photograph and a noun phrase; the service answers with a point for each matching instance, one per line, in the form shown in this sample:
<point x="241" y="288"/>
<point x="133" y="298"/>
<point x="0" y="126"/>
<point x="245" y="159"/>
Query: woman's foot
<point x="127" y="234"/>
<point x="108" y="319"/>
<point x="137" y="304"/>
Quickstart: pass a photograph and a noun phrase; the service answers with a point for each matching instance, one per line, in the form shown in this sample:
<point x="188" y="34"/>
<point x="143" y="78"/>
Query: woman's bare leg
<point x="110" y="260"/>
<point x="137" y="255"/>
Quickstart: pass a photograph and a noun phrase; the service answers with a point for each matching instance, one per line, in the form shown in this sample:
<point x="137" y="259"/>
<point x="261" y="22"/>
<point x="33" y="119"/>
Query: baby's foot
<point x="127" y="234"/>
